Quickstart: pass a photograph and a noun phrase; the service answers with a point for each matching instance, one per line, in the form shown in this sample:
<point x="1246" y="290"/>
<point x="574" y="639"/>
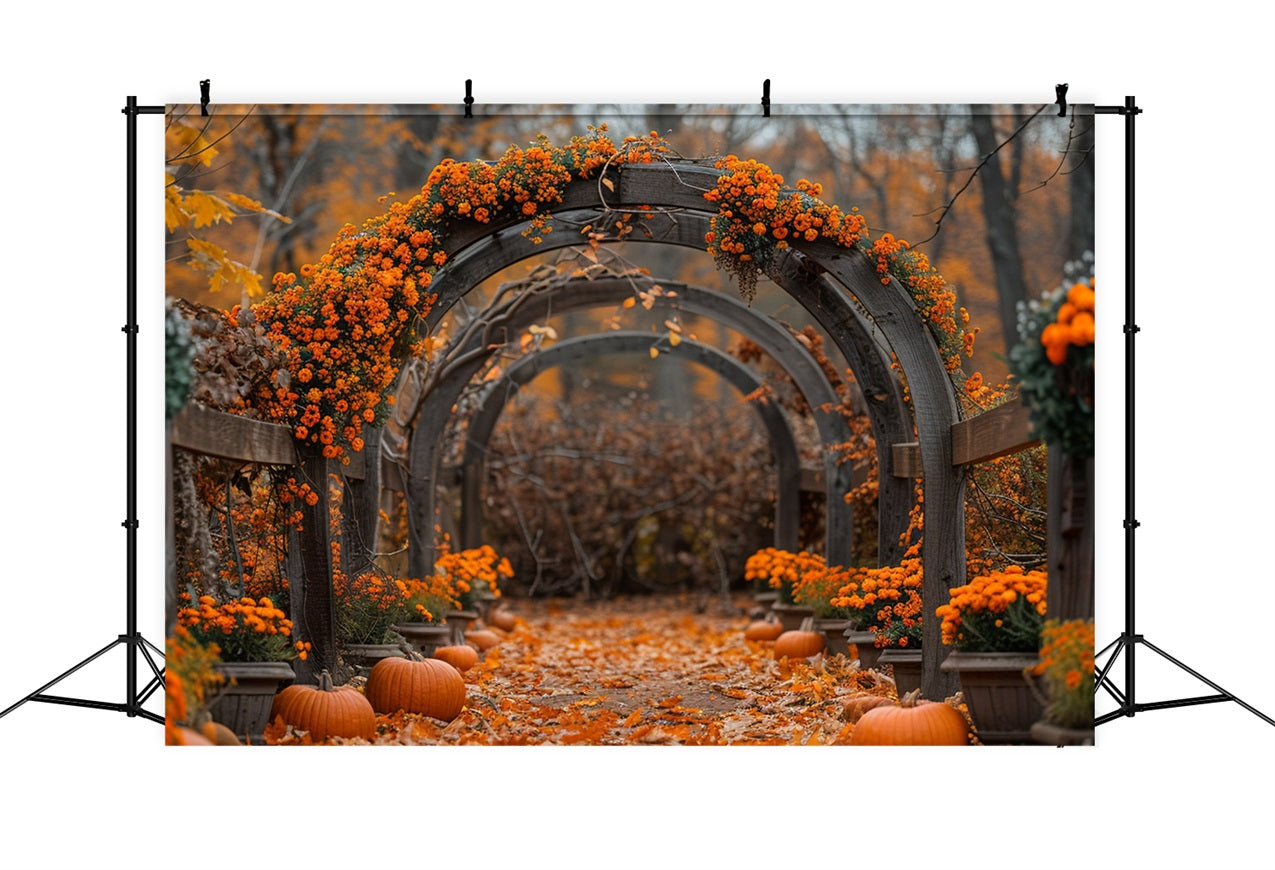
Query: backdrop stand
<point x="1129" y="639"/>
<point x="131" y="640"/>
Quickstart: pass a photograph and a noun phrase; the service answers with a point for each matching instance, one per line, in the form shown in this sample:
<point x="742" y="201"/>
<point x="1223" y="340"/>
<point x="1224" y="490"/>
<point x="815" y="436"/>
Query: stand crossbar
<point x="131" y="640"/>
<point x="1129" y="640"/>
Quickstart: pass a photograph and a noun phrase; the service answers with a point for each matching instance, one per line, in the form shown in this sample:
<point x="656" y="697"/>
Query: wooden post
<point x="314" y="620"/>
<point x="1070" y="542"/>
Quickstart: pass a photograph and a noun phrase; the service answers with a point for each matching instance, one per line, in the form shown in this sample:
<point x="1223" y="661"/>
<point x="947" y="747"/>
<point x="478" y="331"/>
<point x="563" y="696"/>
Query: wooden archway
<point x="820" y="276"/>
<point x="507" y="322"/>
<point x="523" y="370"/>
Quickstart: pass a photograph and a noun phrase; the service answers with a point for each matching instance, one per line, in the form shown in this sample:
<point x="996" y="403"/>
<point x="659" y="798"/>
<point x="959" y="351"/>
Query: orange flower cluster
<point x="368" y="605"/>
<point x="997" y="612"/>
<point x="469" y="572"/>
<point x="344" y="322"/>
<point x="1074" y="325"/>
<point x="429" y="599"/>
<point x="246" y="629"/>
<point x="935" y="301"/>
<point x="189" y="672"/>
<point x="886" y="600"/>
<point x="1067" y="667"/>
<point x="781" y="569"/>
<point x="758" y="215"/>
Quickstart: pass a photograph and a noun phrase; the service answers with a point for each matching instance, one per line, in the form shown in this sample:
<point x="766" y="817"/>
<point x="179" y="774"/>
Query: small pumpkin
<point x="325" y="710"/>
<point x="762" y="630"/>
<point x="219" y="735"/>
<point x="799" y="644"/>
<point x="461" y="656"/>
<point x="912" y="722"/>
<point x="857" y="706"/>
<point x="502" y="619"/>
<point x="183" y="736"/>
<point x="482" y="638"/>
<point x="416" y="685"/>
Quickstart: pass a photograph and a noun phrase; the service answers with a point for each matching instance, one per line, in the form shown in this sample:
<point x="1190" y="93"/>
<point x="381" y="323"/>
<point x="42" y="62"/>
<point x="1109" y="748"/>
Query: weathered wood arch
<point x="523" y="370"/>
<point x="855" y="336"/>
<point x="510" y="319"/>
<point x="676" y="192"/>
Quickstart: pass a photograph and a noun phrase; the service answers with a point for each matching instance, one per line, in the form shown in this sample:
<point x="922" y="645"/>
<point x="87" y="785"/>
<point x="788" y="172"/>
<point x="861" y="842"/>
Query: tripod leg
<point x="62" y="676"/>
<point x="1256" y="712"/>
<point x="1101" y="680"/>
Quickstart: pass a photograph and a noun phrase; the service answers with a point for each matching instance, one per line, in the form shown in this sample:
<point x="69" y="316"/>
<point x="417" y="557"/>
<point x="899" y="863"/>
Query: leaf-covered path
<point x="641" y="671"/>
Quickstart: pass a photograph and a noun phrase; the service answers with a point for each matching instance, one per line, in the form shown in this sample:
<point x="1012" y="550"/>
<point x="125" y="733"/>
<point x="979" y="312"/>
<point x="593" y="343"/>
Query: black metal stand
<point x="1129" y="639"/>
<point x="133" y="642"/>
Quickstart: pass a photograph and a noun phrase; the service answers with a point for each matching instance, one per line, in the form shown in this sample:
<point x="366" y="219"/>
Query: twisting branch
<point x="943" y="210"/>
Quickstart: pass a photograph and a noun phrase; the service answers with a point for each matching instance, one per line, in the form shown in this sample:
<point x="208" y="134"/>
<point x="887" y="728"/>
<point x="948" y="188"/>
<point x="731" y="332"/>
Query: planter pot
<point x="364" y="656"/>
<point x="1056" y="735"/>
<point x="425" y="637"/>
<point x="834" y="635"/>
<point x="905" y="665"/>
<point x="866" y="643"/>
<point x="1000" y="701"/>
<point x="459" y="620"/>
<point x="243" y="705"/>
<point x="792" y="615"/>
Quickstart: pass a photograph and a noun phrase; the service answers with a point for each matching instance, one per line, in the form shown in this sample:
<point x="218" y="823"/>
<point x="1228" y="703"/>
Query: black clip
<point x="469" y="98"/>
<point x="765" y="98"/>
<point x="203" y="96"/>
<point x="1061" y="99"/>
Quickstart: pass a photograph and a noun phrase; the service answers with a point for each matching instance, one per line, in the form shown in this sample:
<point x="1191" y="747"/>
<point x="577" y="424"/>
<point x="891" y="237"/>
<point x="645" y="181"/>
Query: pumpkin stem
<point x="325" y="682"/>
<point x="911" y="699"/>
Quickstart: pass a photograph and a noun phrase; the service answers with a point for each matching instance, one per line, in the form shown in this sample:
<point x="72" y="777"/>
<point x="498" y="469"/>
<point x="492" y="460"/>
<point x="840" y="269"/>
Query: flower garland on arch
<point x="345" y="322"/>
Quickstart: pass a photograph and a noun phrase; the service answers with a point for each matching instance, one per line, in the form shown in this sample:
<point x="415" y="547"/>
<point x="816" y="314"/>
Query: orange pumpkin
<point x="325" y="710"/>
<point x="184" y="736"/>
<point x="416" y="685"/>
<point x="761" y="630"/>
<point x="220" y="735"/>
<point x="503" y="620"/>
<point x="912" y="723"/>
<point x="799" y="644"/>
<point x="462" y="656"/>
<point x="482" y="638"/>
<point x="857" y="706"/>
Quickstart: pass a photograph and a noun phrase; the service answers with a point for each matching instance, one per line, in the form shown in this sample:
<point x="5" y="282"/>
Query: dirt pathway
<point x="640" y="671"/>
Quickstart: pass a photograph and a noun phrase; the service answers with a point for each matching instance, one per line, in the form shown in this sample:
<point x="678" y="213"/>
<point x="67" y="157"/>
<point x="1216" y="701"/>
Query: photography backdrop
<point x="1004" y="54"/>
<point x="367" y="263"/>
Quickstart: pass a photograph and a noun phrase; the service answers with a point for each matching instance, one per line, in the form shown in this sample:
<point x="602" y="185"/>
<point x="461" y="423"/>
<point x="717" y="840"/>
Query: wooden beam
<point x="999" y="432"/>
<point x="217" y="433"/>
<point x="1003" y="430"/>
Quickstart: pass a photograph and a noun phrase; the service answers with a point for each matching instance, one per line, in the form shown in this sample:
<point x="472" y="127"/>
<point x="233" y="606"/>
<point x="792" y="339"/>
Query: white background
<point x="1181" y="788"/>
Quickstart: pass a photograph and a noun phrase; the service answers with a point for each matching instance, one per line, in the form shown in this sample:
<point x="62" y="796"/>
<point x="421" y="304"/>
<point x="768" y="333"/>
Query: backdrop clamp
<point x="204" y="86"/>
<point x="765" y="98"/>
<point x="1060" y="98"/>
<point x="469" y="98"/>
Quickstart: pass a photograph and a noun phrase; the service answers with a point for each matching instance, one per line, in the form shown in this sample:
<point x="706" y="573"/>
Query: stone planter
<point x="459" y="620"/>
<point x="484" y="604"/>
<point x="792" y="615"/>
<point x="243" y="704"/>
<point x="425" y="637"/>
<point x="1056" y="735"/>
<point x="364" y="656"/>
<point x="866" y="643"/>
<point x="905" y="664"/>
<point x="834" y="635"/>
<point x="1000" y="700"/>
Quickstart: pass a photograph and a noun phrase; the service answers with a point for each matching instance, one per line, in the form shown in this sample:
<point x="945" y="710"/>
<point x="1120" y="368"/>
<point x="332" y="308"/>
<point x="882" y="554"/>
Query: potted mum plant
<point x="883" y="607"/>
<point x="782" y="570"/>
<point x="816" y="589"/>
<point x="472" y="575"/>
<point x="1065" y="672"/>
<point x="255" y="639"/>
<point x="994" y="623"/>
<point x="368" y="606"/>
<point x="424" y="626"/>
